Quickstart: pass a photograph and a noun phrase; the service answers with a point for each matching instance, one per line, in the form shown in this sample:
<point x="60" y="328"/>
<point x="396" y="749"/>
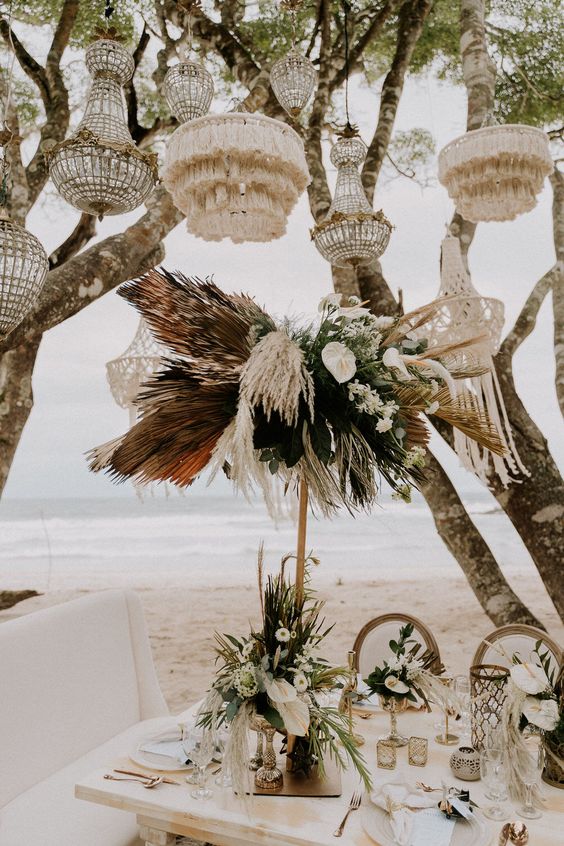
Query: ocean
<point x="206" y="538"/>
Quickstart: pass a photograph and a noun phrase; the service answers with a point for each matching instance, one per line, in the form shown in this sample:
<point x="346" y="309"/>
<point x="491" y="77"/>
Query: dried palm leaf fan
<point x="463" y="316"/>
<point x="99" y="170"/>
<point x="293" y="77"/>
<point x="188" y="87"/>
<point x="351" y="233"/>
<point x="495" y="172"/>
<point x="23" y="261"/>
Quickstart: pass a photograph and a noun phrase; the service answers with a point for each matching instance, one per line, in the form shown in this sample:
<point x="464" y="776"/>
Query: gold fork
<point x="354" y="805"/>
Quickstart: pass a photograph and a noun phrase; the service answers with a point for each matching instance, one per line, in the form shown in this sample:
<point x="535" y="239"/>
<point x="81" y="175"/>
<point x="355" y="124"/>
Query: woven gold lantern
<point x="188" y="89"/>
<point x="488" y="684"/>
<point x="235" y="175"/>
<point x="496" y="172"/>
<point x="352" y="233"/>
<point x="99" y="170"/>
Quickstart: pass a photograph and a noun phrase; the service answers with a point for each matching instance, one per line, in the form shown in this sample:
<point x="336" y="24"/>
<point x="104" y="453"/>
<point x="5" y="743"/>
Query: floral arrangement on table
<point x="336" y="403"/>
<point x="411" y="674"/>
<point x="277" y="672"/>
<point x="535" y="699"/>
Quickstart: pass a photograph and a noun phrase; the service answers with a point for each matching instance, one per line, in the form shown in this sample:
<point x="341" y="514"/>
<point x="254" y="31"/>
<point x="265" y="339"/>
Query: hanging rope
<point x="108" y="10"/>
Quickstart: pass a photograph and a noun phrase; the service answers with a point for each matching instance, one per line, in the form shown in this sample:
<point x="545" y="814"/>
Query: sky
<point x="74" y="409"/>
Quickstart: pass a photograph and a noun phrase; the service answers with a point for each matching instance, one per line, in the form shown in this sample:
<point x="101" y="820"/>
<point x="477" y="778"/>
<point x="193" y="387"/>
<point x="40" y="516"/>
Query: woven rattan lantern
<point x="496" y="172"/>
<point x="127" y="372"/>
<point x="293" y="81"/>
<point x="352" y="233"/>
<point x="98" y="169"/>
<point x="23" y="269"/>
<point x="188" y="89"/>
<point x="236" y="175"/>
<point x="464" y="315"/>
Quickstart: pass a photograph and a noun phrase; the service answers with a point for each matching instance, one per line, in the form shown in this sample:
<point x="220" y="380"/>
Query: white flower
<point x="383" y="322"/>
<point x="354" y="312"/>
<point x="434" y="386"/>
<point x="390" y="409"/>
<point x="339" y="361"/>
<point x="396" y="663"/>
<point x="415" y="457"/>
<point x="282" y="635"/>
<point x="413" y="667"/>
<point x="530" y="678"/>
<point x="354" y="301"/>
<point x="247" y="649"/>
<point x="394" y="361"/>
<point x="541" y="712"/>
<point x="245" y="681"/>
<point x="294" y="711"/>
<point x="433" y="408"/>
<point x="384" y="424"/>
<point x="393" y="683"/>
<point x="330" y="303"/>
<point x="300" y="683"/>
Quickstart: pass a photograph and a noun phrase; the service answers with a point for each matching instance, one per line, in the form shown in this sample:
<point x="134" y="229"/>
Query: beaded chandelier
<point x="127" y="372"/>
<point x="496" y="172"/>
<point x="293" y="77"/>
<point x="188" y="89"/>
<point x="466" y="314"/>
<point x="23" y="265"/>
<point x="236" y="175"/>
<point x="98" y="169"/>
<point x="352" y="233"/>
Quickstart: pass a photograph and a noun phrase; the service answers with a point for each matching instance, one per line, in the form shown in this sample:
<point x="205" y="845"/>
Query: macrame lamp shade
<point x="235" y="175"/>
<point x="352" y="233"/>
<point x="127" y="372"/>
<point x="293" y="79"/>
<point x="188" y="89"/>
<point x="98" y="169"/>
<point x="464" y="315"/>
<point x="23" y="269"/>
<point x="496" y="172"/>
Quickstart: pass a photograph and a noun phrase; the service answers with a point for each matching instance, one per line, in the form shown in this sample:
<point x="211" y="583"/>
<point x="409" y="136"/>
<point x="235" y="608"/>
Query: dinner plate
<point x="376" y="823"/>
<point x="157" y="762"/>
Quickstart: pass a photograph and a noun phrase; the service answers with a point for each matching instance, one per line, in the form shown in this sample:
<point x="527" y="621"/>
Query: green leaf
<point x="273" y="717"/>
<point x="320" y="436"/>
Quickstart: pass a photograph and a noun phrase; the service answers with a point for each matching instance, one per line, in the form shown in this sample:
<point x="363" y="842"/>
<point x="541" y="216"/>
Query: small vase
<point x="268" y="776"/>
<point x="465" y="763"/>
<point x="394" y="706"/>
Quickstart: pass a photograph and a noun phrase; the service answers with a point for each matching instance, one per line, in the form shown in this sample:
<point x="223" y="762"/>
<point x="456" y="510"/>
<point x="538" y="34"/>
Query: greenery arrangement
<point x="278" y="673"/>
<point x="336" y="402"/>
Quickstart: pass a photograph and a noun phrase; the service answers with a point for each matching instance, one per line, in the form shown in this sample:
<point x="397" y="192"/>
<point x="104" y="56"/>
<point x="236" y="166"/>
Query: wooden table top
<point x="303" y="821"/>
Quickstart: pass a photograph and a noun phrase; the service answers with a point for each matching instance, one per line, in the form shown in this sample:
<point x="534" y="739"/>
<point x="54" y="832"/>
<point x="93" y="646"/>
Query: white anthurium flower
<point x="383" y="322"/>
<point x="541" y="712"/>
<point x="353" y="312"/>
<point x="295" y="715"/>
<point x="395" y="684"/>
<point x="339" y="361"/>
<point x="393" y="360"/>
<point x="530" y="678"/>
<point x="280" y="690"/>
<point x="330" y="302"/>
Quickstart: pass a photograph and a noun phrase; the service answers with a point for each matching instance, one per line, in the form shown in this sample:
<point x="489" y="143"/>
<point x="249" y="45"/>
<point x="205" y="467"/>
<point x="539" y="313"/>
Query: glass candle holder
<point x="386" y="755"/>
<point x="418" y="750"/>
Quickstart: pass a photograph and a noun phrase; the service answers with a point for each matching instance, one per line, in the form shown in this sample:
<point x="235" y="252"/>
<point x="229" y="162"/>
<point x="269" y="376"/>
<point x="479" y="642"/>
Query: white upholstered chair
<point x="372" y="642"/>
<point x="516" y="638"/>
<point x="78" y="689"/>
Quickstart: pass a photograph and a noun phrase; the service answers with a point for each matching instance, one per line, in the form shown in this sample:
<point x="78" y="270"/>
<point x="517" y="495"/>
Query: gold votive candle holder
<point x="386" y="755"/>
<point x="417" y="751"/>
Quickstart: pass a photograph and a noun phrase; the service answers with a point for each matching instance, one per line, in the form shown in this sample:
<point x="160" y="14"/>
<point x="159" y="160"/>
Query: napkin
<point x="167" y="748"/>
<point x="397" y="797"/>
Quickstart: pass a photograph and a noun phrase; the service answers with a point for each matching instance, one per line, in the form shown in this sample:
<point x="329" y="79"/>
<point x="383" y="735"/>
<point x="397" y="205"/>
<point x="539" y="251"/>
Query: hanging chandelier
<point x="293" y="77"/>
<point x="352" y="233"/>
<point x="99" y="170"/>
<point x="127" y="373"/>
<point x="188" y="89"/>
<point x="496" y="172"/>
<point x="236" y="175"/>
<point x="465" y="315"/>
<point x="23" y="264"/>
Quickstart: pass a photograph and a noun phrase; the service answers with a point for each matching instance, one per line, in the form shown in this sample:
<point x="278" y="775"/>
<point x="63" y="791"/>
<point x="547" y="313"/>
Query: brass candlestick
<point x="346" y="702"/>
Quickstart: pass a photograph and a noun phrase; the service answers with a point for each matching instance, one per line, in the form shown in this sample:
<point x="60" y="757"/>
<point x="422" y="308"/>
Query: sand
<point x="182" y="619"/>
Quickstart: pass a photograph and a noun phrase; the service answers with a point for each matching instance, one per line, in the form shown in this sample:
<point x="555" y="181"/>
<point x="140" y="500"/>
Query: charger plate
<point x="376" y="824"/>
<point x="158" y="762"/>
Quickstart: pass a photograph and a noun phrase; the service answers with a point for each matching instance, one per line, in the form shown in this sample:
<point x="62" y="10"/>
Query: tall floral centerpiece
<point x="273" y="679"/>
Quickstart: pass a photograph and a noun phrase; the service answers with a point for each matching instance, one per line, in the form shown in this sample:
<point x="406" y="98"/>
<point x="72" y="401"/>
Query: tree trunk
<point x="557" y="181"/>
<point x="16" y="400"/>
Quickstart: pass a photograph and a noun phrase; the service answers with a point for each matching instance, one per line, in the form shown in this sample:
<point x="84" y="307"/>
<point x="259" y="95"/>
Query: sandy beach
<point x="181" y="621"/>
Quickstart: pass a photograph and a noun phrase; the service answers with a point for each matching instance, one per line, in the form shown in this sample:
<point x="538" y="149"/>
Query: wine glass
<point x="531" y="769"/>
<point x="186" y="741"/>
<point x="462" y="690"/>
<point x="224" y="778"/>
<point x="202" y="747"/>
<point x="493" y="773"/>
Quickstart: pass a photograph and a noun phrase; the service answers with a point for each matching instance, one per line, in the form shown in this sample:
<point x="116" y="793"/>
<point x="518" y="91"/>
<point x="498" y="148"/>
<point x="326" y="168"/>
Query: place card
<point x="431" y="826"/>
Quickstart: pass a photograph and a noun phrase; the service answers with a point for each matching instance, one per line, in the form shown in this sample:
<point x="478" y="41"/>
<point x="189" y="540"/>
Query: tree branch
<point x="130" y="92"/>
<point x="557" y="181"/>
<point x="527" y="319"/>
<point x="477" y="68"/>
<point x="82" y="233"/>
<point x="411" y="20"/>
<point x="375" y="26"/>
<point x="28" y="64"/>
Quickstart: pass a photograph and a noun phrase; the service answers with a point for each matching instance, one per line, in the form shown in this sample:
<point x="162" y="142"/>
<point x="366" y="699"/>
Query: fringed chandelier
<point x="293" y="77"/>
<point x="352" y="233"/>
<point x="496" y="172"/>
<point x="99" y="170"/>
<point x="127" y="372"/>
<point x="236" y="175"/>
<point x="23" y="261"/>
<point x="464" y="315"/>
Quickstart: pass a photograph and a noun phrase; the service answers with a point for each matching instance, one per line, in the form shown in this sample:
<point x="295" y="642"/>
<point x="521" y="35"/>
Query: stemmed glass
<point x="202" y="747"/>
<point x="224" y="778"/>
<point x="462" y="690"/>
<point x="531" y="769"/>
<point x="493" y="773"/>
<point x="186" y="740"/>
